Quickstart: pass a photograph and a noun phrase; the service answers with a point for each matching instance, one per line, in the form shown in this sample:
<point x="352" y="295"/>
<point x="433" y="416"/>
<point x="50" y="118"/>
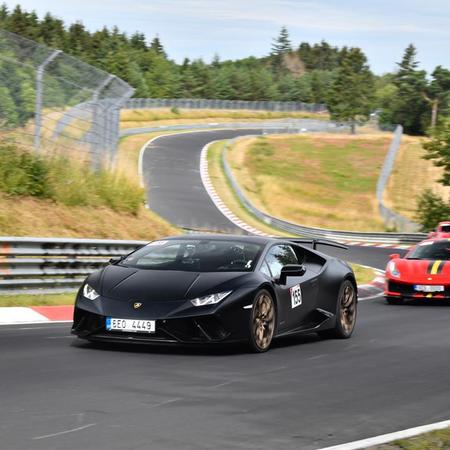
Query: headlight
<point x="89" y="292"/>
<point x="211" y="299"/>
<point x="392" y="267"/>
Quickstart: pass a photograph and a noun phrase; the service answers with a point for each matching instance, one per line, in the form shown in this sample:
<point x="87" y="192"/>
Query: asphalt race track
<point x="57" y="392"/>
<point x="175" y="190"/>
<point x="305" y="393"/>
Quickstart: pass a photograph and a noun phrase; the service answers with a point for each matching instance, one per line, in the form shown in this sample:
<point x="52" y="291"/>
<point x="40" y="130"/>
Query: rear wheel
<point x="346" y="310"/>
<point x="262" y="322"/>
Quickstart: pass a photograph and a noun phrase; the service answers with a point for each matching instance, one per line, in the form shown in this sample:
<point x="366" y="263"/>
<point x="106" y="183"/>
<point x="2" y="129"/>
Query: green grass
<point x="65" y="181"/>
<point x="364" y="275"/>
<point x="319" y="180"/>
<point x="38" y="300"/>
<point x="435" y="440"/>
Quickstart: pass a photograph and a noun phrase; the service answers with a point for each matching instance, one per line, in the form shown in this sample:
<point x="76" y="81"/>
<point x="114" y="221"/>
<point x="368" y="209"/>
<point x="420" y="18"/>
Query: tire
<point x="346" y="312"/>
<point x="394" y="301"/>
<point x="262" y="322"/>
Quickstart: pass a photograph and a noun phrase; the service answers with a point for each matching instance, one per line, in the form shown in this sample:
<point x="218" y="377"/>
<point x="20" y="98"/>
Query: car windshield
<point x="431" y="250"/>
<point x="445" y="228"/>
<point x="196" y="256"/>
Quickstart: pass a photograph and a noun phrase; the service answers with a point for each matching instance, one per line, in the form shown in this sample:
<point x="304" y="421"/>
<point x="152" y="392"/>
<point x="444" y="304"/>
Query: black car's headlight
<point x="210" y="299"/>
<point x="89" y="292"/>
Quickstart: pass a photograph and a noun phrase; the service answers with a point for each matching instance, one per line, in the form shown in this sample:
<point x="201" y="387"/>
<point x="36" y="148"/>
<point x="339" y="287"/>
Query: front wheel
<point x="262" y="322"/>
<point x="346" y="309"/>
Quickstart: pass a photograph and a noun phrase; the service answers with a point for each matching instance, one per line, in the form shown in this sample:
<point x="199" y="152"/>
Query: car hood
<point x="125" y="283"/>
<point x="424" y="270"/>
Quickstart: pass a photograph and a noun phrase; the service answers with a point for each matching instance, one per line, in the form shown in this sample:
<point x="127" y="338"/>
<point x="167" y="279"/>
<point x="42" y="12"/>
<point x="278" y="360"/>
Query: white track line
<point x="385" y="438"/>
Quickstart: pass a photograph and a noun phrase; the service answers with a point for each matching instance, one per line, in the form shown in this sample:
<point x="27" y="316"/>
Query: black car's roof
<point x="262" y="240"/>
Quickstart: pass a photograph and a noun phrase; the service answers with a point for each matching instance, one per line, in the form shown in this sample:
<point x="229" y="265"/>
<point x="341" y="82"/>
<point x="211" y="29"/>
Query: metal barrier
<point x="52" y="263"/>
<point x="201" y="103"/>
<point x="267" y="127"/>
<point x="296" y="229"/>
<point x="392" y="218"/>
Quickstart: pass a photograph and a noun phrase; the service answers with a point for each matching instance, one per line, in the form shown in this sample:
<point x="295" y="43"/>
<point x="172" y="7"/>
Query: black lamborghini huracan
<point x="201" y="289"/>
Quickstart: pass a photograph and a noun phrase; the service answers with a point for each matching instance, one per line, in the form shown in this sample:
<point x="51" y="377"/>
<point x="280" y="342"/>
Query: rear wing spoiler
<point x="315" y="242"/>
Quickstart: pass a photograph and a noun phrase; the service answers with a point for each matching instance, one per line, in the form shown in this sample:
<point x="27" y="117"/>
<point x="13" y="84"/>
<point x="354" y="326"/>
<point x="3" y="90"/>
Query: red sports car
<point x="442" y="231"/>
<point x="423" y="273"/>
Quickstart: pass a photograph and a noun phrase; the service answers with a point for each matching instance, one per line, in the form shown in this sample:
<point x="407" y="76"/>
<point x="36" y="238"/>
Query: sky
<point x="239" y="28"/>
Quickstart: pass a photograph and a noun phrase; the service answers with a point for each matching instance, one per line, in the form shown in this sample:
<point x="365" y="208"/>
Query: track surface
<point x="175" y="190"/>
<point x="305" y="393"/>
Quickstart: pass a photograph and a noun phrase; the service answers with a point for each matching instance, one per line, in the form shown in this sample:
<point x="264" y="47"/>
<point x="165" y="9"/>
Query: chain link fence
<point x="195" y="103"/>
<point x="51" y="101"/>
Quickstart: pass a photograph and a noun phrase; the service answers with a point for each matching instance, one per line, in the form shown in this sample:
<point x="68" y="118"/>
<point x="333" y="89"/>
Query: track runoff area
<point x="306" y="393"/>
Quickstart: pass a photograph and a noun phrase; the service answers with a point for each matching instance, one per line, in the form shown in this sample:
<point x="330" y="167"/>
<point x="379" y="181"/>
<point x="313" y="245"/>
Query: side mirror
<point x="394" y="256"/>
<point x="116" y="260"/>
<point x="291" y="270"/>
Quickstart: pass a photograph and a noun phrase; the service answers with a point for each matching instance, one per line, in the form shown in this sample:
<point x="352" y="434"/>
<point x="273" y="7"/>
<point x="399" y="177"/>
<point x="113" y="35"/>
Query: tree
<point x="431" y="209"/>
<point x="280" y="46"/>
<point x="438" y="92"/>
<point x="157" y="47"/>
<point x="408" y="107"/>
<point x="352" y="92"/>
<point x="438" y="150"/>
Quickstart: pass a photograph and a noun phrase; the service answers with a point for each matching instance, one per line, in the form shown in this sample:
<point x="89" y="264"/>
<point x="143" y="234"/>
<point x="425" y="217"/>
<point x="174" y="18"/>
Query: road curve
<point x="57" y="393"/>
<point x="171" y="168"/>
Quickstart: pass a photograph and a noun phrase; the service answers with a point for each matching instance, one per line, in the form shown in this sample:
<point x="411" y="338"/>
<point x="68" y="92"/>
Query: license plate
<point x="428" y="288"/>
<point x="130" y="325"/>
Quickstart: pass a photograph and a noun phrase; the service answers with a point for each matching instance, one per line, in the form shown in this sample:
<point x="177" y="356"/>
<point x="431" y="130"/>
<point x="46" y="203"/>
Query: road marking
<point x="385" y="438"/>
<point x="372" y="297"/>
<point x="73" y="430"/>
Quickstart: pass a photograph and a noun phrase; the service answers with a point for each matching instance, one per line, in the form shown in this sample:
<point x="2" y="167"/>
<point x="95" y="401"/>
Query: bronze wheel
<point x="262" y="322"/>
<point x="346" y="309"/>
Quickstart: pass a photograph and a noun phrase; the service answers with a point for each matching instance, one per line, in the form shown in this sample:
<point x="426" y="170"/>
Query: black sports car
<point x="201" y="289"/>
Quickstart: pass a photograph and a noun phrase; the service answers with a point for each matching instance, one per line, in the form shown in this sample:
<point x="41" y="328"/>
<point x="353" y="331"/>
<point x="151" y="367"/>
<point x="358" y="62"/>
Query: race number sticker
<point x="296" y="296"/>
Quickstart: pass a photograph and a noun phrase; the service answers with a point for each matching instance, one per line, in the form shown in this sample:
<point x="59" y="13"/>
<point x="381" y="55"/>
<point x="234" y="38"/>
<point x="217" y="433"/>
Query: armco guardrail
<point x="52" y="263"/>
<point x="392" y="218"/>
<point x="388" y="238"/>
<point x="268" y="127"/>
<point x="201" y="103"/>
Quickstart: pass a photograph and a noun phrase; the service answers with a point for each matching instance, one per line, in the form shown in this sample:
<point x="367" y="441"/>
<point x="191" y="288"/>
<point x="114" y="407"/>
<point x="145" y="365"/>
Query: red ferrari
<point x="423" y="273"/>
<point x="442" y="231"/>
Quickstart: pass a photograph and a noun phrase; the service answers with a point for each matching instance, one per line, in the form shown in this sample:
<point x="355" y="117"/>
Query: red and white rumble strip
<point x="35" y="314"/>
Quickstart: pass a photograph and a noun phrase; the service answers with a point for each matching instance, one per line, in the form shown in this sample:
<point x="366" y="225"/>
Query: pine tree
<point x="280" y="46"/>
<point x="157" y="47"/>
<point x="437" y="93"/>
<point x="351" y="94"/>
<point x="409" y="108"/>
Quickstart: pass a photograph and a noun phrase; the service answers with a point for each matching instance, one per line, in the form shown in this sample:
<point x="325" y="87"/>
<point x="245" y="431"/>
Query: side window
<point x="265" y="269"/>
<point x="279" y="256"/>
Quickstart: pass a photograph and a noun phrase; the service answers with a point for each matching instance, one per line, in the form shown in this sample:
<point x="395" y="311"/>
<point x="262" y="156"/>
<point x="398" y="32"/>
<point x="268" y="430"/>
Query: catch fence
<point x="201" y="103"/>
<point x="52" y="101"/>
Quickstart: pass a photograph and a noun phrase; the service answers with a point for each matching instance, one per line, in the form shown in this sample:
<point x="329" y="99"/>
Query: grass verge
<point x="411" y="176"/>
<point x="434" y="440"/>
<point x="38" y="300"/>
<point x="321" y="180"/>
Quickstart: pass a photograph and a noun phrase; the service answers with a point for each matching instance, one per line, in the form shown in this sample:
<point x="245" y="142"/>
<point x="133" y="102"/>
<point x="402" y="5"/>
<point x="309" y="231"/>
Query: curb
<point x="11" y="315"/>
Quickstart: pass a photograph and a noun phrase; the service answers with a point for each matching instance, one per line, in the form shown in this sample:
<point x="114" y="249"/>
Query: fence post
<point x="38" y="103"/>
<point x="97" y="128"/>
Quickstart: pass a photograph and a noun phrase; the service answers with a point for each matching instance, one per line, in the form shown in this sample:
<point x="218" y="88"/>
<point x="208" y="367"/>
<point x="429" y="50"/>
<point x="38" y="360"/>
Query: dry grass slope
<point x="324" y="180"/>
<point x="411" y="175"/>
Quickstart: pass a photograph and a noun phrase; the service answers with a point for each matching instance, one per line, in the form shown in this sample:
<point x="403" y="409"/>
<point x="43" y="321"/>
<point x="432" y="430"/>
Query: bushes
<point x="431" y="209"/>
<point x="65" y="181"/>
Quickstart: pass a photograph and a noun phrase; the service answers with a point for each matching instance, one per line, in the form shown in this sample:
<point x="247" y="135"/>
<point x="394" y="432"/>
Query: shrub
<point x="65" y="181"/>
<point x="431" y="209"/>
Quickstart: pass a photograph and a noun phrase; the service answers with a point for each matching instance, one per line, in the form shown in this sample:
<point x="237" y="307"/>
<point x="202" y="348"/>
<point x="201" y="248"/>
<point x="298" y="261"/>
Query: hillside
<point x="325" y="181"/>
